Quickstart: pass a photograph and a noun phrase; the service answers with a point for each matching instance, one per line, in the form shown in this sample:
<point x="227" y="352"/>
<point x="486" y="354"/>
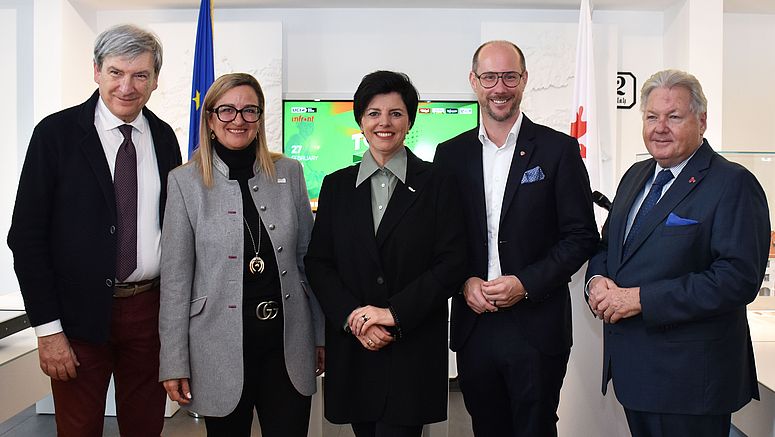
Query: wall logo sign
<point x="625" y="90"/>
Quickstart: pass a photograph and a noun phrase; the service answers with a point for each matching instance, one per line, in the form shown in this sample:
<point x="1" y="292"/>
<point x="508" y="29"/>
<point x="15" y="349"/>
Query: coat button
<point x="287" y="296"/>
<point x="112" y="230"/>
<point x="255" y="187"/>
<point x="380" y="280"/>
<point x="262" y="208"/>
<point x="283" y="272"/>
<point x="279" y="248"/>
<point x="109" y="282"/>
<point x="271" y="227"/>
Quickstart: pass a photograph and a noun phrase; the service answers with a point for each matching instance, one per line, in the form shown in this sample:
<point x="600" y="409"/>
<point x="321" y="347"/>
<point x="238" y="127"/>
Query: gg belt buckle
<point x="267" y="310"/>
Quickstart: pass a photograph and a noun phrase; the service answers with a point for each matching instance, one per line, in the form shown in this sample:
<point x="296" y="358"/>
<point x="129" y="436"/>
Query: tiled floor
<point x="28" y="424"/>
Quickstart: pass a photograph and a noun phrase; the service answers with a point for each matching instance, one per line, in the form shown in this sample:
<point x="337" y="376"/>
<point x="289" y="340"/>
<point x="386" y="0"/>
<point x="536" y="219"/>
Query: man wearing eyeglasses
<point x="85" y="239"/>
<point x="528" y="208"/>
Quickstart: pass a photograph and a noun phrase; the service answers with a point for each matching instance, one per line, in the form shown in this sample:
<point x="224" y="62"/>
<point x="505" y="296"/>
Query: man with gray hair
<point x="684" y="250"/>
<point x="85" y="238"/>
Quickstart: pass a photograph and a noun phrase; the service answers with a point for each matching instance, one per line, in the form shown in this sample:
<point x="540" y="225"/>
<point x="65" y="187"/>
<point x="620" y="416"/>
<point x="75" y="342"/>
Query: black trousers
<point x="509" y="388"/>
<point x="281" y="410"/>
<point x="381" y="429"/>
<point x="644" y="424"/>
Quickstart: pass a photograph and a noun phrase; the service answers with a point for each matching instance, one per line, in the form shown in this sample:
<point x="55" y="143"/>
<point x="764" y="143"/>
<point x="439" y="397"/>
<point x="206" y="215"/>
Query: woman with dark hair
<point x="239" y="328"/>
<point x="387" y="251"/>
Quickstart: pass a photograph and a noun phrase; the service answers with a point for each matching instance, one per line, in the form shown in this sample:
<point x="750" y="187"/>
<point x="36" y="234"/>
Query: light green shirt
<point x="383" y="181"/>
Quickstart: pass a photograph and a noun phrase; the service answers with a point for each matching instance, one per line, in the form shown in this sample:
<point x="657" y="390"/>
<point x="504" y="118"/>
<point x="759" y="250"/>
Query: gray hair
<point x="128" y="41"/>
<point x="698" y="104"/>
<point x="475" y="60"/>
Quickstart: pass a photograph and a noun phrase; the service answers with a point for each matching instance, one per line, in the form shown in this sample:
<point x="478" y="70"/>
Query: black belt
<point x="129" y="289"/>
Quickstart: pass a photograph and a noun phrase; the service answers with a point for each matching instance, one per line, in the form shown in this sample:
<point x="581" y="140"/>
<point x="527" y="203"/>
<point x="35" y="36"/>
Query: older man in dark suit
<point x="526" y="197"/>
<point x="85" y="237"/>
<point x="684" y="250"/>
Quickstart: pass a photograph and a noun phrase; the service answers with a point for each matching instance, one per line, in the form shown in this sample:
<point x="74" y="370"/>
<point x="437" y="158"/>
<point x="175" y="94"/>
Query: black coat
<point x="547" y="230"/>
<point x="413" y="264"/>
<point x="63" y="228"/>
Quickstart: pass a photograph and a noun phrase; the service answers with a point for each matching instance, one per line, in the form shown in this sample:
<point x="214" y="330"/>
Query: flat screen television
<point x="324" y="137"/>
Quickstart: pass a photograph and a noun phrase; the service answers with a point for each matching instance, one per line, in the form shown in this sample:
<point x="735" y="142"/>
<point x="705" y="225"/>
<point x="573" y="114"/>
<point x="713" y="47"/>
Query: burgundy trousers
<point x="132" y="357"/>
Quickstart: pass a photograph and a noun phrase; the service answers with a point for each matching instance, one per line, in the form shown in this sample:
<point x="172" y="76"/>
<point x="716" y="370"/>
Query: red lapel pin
<point x="692" y="180"/>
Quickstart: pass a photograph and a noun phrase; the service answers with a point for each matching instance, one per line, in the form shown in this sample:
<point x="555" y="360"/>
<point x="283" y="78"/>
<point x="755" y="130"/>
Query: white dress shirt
<point x="496" y="163"/>
<point x="148" y="189"/>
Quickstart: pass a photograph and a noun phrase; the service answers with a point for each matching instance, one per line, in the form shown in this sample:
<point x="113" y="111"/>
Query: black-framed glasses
<point x="227" y="113"/>
<point x="489" y="79"/>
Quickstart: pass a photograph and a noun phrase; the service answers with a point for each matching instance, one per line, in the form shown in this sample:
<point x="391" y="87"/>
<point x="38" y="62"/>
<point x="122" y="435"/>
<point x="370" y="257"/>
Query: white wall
<point x="8" y="166"/>
<point x="749" y="94"/>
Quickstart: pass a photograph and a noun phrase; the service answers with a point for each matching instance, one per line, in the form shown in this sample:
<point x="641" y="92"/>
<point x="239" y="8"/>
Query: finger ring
<point x="370" y="343"/>
<point x="365" y="318"/>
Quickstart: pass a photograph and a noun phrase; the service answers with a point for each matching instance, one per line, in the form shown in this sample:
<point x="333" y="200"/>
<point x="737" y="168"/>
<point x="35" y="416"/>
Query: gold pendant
<point x="256" y="265"/>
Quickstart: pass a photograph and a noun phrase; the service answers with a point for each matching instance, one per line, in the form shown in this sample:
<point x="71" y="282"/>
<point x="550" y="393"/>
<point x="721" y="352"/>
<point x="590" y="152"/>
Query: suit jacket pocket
<point x="197" y="305"/>
<point x="680" y="230"/>
<point x="696" y="331"/>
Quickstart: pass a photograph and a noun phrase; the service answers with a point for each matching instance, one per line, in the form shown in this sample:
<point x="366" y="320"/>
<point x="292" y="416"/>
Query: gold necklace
<point x="256" y="264"/>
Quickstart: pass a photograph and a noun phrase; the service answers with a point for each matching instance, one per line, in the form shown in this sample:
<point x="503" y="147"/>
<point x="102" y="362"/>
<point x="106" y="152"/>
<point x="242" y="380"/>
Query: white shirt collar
<point x="110" y="121"/>
<point x="511" y="138"/>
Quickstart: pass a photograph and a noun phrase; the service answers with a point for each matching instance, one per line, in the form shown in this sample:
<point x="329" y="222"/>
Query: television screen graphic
<point x="324" y="136"/>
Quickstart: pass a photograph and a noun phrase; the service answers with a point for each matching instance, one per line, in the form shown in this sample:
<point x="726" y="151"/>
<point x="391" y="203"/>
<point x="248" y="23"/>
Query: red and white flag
<point x="584" y="125"/>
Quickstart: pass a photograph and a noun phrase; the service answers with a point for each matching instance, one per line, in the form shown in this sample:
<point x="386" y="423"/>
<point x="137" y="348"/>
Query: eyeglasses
<point x="489" y="79"/>
<point x="227" y="113"/>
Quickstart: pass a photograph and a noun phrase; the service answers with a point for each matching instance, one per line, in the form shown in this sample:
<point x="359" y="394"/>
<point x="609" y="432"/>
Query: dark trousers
<point x="643" y="424"/>
<point x="132" y="356"/>
<point x="282" y="411"/>
<point x="381" y="429"/>
<point x="509" y="388"/>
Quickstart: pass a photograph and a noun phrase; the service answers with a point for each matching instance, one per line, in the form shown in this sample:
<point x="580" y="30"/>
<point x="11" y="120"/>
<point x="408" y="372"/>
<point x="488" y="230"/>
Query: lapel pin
<point x="521" y="153"/>
<point x="692" y="180"/>
<point x="281" y="180"/>
<point x="410" y="188"/>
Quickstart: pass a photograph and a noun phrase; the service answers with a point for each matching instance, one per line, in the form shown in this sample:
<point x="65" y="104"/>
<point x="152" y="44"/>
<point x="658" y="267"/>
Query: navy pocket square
<point x="535" y="174"/>
<point x="675" y="220"/>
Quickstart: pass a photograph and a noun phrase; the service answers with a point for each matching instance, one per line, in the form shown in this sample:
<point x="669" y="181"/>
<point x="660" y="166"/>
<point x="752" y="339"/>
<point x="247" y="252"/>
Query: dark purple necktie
<point x="125" y="185"/>
<point x="655" y="192"/>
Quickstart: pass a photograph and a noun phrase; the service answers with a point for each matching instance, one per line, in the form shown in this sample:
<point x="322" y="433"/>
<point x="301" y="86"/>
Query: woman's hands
<point x="368" y="324"/>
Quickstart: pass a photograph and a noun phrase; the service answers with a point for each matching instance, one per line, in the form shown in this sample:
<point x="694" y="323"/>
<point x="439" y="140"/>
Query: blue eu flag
<point x="203" y="71"/>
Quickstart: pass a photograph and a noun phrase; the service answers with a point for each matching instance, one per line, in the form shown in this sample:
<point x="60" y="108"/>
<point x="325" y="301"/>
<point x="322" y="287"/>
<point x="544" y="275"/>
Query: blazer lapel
<point x="687" y="180"/>
<point x="364" y="221"/>
<point x="522" y="153"/>
<point x="472" y="154"/>
<point x="619" y="225"/>
<point x="163" y="160"/>
<point x="92" y="148"/>
<point x="417" y="172"/>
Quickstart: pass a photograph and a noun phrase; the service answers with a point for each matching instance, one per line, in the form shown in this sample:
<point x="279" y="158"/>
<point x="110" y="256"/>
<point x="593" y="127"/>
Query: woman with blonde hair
<point x="240" y="329"/>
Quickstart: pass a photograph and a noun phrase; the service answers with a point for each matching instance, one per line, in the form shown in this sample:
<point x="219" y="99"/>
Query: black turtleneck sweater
<point x="257" y="287"/>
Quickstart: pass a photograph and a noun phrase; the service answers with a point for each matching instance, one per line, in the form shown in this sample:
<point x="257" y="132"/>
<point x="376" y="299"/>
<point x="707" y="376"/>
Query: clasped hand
<point x="487" y="296"/>
<point x="612" y="303"/>
<point x="368" y="324"/>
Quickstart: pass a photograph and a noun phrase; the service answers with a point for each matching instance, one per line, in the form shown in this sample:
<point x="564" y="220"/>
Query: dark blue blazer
<point x="698" y="260"/>
<point x="547" y="229"/>
<point x="63" y="228"/>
